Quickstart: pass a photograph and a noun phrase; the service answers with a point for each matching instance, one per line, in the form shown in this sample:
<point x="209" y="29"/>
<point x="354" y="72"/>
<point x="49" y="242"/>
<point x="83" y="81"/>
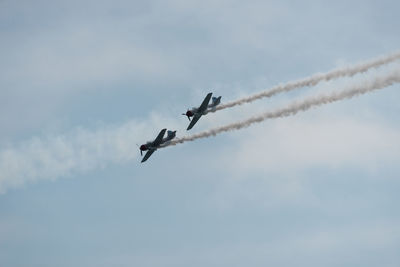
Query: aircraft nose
<point x="189" y="113"/>
<point x="143" y="147"/>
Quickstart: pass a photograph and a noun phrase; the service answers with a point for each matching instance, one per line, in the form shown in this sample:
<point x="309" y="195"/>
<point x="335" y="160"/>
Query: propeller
<point x="188" y="114"/>
<point x="141" y="152"/>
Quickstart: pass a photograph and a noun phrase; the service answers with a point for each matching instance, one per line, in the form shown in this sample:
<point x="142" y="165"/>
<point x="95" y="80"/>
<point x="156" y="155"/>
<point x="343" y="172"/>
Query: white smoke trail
<point x="379" y="82"/>
<point x="58" y="156"/>
<point x="314" y="80"/>
<point x="77" y="151"/>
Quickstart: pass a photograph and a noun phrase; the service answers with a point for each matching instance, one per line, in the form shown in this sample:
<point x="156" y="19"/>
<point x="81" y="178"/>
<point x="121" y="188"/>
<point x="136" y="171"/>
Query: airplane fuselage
<point x="148" y="146"/>
<point x="164" y="141"/>
<point x="195" y="110"/>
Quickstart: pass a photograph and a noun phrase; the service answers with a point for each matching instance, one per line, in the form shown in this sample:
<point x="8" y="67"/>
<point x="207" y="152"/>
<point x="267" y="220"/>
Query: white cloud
<point x="328" y="246"/>
<point x="282" y="146"/>
<point x="77" y="57"/>
<point x="49" y="158"/>
<point x="297" y="144"/>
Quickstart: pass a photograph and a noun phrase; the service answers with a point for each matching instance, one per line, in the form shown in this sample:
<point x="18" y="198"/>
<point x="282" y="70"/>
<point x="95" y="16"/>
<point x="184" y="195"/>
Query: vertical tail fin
<point x="216" y="101"/>
<point x="171" y="134"/>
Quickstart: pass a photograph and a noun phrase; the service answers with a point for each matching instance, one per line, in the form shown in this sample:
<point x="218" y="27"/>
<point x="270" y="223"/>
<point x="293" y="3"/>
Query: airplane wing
<point x="148" y="154"/>
<point x="204" y="105"/>
<point x="196" y="117"/>
<point x="158" y="139"/>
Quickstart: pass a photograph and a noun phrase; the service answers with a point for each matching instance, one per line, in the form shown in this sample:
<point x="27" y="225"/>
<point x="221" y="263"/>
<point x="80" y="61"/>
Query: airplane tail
<point x="171" y="134"/>
<point x="216" y="101"/>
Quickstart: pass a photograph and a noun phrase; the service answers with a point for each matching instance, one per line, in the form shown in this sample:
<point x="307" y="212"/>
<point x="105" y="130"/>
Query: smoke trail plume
<point x="379" y="82"/>
<point x="58" y="156"/>
<point x="314" y="80"/>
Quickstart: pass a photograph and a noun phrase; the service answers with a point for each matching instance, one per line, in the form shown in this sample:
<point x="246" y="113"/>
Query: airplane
<point x="160" y="141"/>
<point x="204" y="108"/>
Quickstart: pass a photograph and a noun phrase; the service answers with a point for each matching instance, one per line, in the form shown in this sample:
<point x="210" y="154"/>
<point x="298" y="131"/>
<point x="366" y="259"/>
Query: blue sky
<point x="82" y="82"/>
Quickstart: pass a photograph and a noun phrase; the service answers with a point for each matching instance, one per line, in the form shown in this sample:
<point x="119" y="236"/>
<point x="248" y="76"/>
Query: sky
<point x="83" y="82"/>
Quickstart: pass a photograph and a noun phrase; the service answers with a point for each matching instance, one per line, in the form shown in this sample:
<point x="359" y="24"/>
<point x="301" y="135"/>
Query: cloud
<point x="52" y="157"/>
<point x="299" y="144"/>
<point x="296" y="146"/>
<point x="329" y="246"/>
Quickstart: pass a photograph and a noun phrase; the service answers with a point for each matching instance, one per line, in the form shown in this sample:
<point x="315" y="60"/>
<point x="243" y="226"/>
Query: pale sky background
<point x="82" y="82"/>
